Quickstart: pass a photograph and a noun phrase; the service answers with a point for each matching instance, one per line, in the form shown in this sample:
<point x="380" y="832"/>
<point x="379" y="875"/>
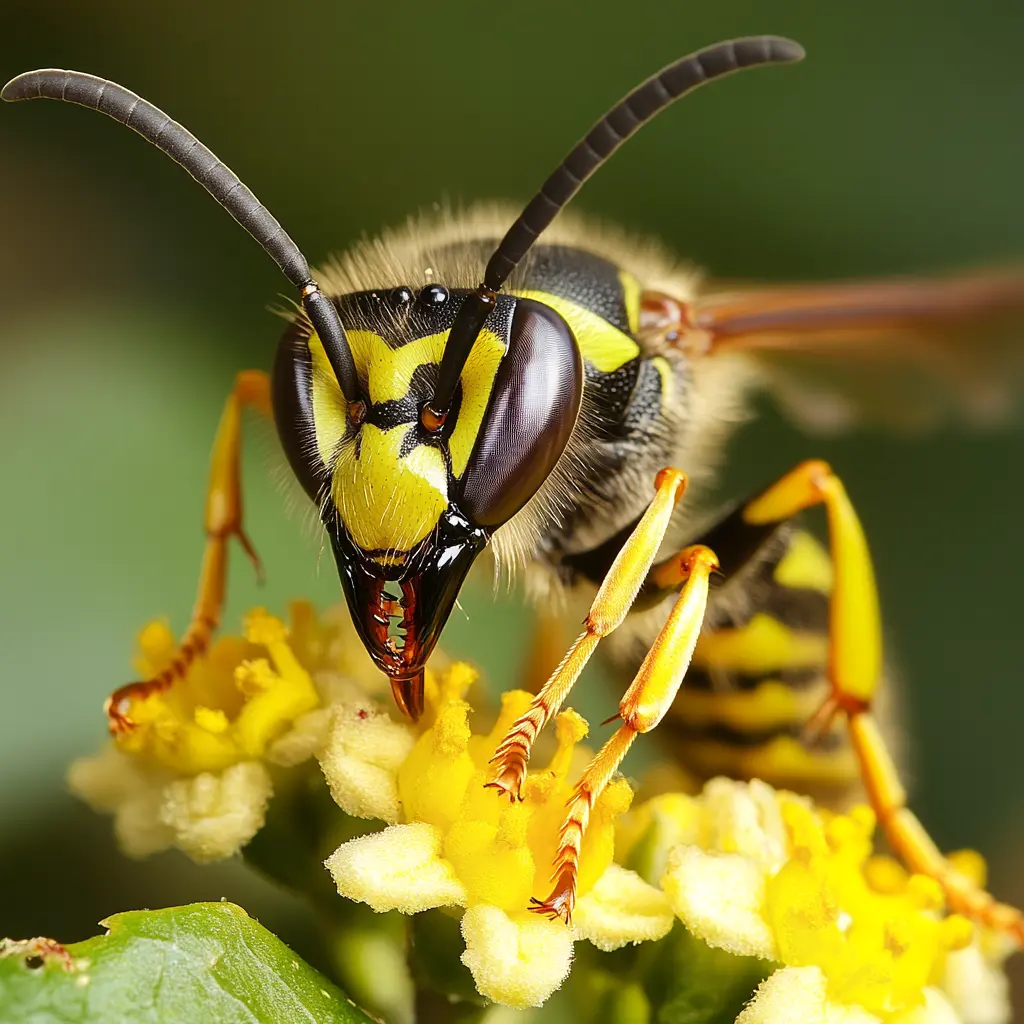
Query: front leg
<point x="614" y="599"/>
<point x="223" y="520"/>
<point x="644" y="705"/>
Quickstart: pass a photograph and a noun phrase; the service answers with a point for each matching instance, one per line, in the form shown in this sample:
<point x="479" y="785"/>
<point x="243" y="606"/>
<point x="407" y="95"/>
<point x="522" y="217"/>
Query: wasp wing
<point x="897" y="352"/>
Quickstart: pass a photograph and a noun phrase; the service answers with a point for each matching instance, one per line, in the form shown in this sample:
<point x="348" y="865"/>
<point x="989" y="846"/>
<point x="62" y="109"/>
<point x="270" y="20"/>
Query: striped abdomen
<point x="759" y="673"/>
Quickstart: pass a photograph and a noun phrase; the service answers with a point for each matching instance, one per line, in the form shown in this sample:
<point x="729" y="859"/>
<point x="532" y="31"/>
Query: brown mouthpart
<point x="400" y="610"/>
<point x="398" y="656"/>
<point x="408" y="693"/>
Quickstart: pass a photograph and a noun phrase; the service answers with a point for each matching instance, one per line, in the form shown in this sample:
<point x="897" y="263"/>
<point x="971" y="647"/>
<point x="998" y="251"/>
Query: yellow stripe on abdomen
<point x="760" y="676"/>
<point x="783" y="762"/>
<point x="770" y="705"/>
<point x="763" y="645"/>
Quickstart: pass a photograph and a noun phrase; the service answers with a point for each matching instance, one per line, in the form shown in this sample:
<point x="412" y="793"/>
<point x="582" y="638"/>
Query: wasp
<point x="465" y="385"/>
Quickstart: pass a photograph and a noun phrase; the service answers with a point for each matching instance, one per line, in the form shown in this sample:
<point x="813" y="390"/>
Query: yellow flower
<point x="192" y="772"/>
<point x="209" y="816"/>
<point x="454" y="843"/>
<point x="229" y="707"/>
<point x="846" y="937"/>
<point x="765" y="873"/>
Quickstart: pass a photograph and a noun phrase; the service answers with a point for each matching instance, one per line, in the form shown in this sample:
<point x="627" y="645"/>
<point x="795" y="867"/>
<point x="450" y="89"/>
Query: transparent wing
<point x="898" y="352"/>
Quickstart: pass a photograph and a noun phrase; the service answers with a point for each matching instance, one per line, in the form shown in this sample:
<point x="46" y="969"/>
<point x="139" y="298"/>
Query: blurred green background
<point x="128" y="301"/>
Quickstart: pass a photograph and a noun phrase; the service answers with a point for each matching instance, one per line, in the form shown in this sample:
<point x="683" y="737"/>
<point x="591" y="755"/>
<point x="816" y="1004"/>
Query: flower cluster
<point x="456" y="844"/>
<point x="760" y="872"/>
<point x="192" y="773"/>
<point x="843" y="935"/>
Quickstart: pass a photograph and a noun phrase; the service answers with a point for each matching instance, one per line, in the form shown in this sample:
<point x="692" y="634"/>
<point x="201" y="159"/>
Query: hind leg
<point x="854" y="667"/>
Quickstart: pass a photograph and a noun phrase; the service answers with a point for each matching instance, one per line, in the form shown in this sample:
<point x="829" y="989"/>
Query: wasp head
<point x="409" y="501"/>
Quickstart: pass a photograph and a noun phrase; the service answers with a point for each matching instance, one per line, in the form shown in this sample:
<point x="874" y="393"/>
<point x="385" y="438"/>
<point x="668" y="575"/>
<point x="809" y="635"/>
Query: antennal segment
<point x="622" y="121"/>
<point x="186" y="150"/>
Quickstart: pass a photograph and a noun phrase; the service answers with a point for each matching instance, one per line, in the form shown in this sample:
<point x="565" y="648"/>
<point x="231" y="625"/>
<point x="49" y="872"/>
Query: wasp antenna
<point x="219" y="180"/>
<point x="622" y="121"/>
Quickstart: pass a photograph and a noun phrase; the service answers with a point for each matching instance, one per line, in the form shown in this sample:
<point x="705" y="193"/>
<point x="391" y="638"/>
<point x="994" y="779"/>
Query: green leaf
<point x="207" y="962"/>
<point x="435" y="957"/>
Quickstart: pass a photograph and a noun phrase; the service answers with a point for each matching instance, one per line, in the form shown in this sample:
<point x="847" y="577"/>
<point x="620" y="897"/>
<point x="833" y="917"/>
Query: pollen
<point x="877" y="949"/>
<point x="457" y="843"/>
<point x="746" y="874"/>
<point x="229" y="707"/>
<point x="767" y="874"/>
<point x="211" y="719"/>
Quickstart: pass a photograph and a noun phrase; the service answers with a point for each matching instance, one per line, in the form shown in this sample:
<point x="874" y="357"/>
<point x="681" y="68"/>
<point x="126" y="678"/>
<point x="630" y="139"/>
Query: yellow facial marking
<point x="330" y="412"/>
<point x="388" y="501"/>
<point x="805" y="565"/>
<point x="388" y="371"/>
<point x="605" y="347"/>
<point x="477" y="380"/>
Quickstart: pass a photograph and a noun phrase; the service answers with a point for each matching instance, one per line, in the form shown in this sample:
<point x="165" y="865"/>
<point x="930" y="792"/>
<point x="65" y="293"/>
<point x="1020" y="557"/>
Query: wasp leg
<point x="645" y="703"/>
<point x="613" y="600"/>
<point x="223" y="520"/>
<point x="854" y="667"/>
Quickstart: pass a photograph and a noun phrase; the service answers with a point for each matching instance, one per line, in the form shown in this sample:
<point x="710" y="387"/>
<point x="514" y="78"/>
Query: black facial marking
<point x="409" y="443"/>
<point x="391" y="413"/>
<point x="403" y="322"/>
<point x="534" y="396"/>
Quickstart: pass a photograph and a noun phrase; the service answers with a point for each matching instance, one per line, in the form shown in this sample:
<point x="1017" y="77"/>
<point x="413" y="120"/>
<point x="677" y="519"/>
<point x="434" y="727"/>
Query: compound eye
<point x="531" y="413"/>
<point x="293" y="413"/>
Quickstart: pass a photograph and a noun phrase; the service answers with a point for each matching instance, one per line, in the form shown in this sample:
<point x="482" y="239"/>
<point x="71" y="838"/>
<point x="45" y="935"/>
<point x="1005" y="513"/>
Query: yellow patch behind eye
<point x="388" y="500"/>
<point x="631" y="299"/>
<point x="605" y="347"/>
<point x="668" y="383"/>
